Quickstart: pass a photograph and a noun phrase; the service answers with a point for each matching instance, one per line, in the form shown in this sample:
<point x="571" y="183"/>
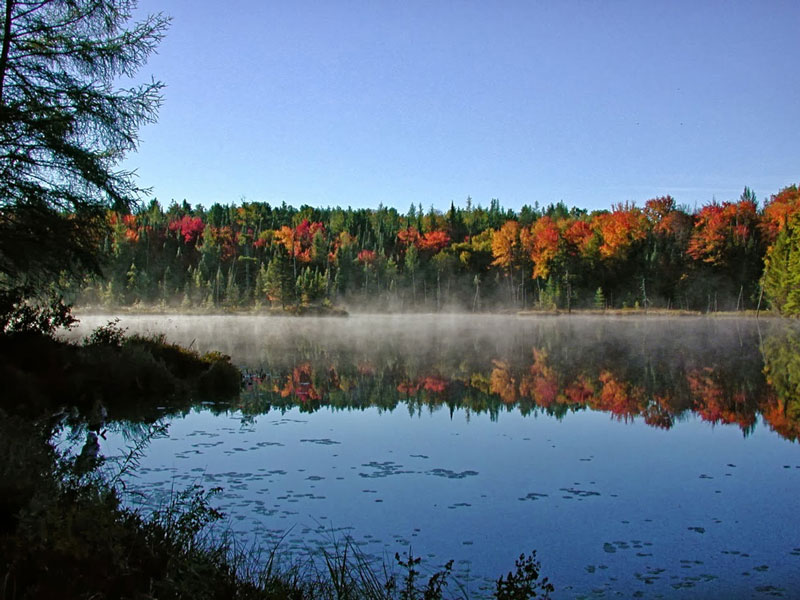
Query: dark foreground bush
<point x="66" y="535"/>
<point x="128" y="376"/>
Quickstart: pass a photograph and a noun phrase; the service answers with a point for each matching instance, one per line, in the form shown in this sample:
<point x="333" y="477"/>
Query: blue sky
<point x="356" y="103"/>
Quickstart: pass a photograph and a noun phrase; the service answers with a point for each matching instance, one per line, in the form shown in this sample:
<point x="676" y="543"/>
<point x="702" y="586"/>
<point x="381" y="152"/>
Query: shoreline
<point x="340" y="312"/>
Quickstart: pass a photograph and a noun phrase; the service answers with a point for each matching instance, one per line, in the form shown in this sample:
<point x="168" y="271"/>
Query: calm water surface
<point x="639" y="457"/>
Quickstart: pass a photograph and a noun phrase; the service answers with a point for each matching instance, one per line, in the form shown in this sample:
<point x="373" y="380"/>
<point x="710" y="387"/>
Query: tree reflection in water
<point x="723" y="374"/>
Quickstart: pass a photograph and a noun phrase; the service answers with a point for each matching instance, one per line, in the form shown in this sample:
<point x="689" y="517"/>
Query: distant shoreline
<point x="339" y="312"/>
<point x="302" y="311"/>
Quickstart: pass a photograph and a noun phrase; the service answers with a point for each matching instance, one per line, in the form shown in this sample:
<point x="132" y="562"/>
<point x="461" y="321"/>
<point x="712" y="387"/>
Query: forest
<point x="730" y="255"/>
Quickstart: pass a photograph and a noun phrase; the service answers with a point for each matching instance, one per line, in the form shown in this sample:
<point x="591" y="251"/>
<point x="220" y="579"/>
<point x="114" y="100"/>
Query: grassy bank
<point x="165" y="309"/>
<point x="653" y="312"/>
<point x="128" y="376"/>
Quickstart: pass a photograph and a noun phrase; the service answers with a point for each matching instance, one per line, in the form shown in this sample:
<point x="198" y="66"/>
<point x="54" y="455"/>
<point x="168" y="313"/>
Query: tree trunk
<point x="6" y="46"/>
<point x="760" y="295"/>
<point x="438" y="291"/>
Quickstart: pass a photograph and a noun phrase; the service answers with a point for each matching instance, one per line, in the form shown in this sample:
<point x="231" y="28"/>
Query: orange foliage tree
<point x="619" y="230"/>
<point x="541" y="242"/>
<point x="721" y="227"/>
<point x="507" y="252"/>
<point x="727" y="249"/>
<point x="777" y="212"/>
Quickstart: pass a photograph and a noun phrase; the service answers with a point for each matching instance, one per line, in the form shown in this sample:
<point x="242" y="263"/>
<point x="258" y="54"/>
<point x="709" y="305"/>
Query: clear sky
<point x="356" y="103"/>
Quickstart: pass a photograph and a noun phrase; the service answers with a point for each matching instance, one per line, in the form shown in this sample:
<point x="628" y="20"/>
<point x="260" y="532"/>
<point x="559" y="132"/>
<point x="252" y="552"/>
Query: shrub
<point x="110" y="334"/>
<point x="524" y="582"/>
<point x="18" y="315"/>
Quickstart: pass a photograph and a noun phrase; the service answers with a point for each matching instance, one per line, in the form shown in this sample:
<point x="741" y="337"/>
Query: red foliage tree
<point x="578" y="235"/>
<point x="225" y="238"/>
<point x="299" y="241"/>
<point x="408" y="236"/>
<point x="130" y="222"/>
<point x="721" y="227"/>
<point x="191" y="228"/>
<point x="434" y="241"/>
<point x="541" y="242"/>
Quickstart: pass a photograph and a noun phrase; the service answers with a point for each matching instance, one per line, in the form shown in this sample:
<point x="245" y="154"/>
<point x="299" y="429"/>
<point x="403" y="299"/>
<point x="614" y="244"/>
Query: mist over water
<point x="653" y="457"/>
<point x="248" y="339"/>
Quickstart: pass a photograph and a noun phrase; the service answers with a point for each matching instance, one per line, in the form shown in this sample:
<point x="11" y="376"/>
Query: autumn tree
<point x="508" y="252"/>
<point x="620" y="236"/>
<point x="726" y="239"/>
<point x="777" y="212"/>
<point x="475" y="253"/>
<point x="64" y="127"/>
<point x="620" y="230"/>
<point x="665" y="260"/>
<point x="541" y="241"/>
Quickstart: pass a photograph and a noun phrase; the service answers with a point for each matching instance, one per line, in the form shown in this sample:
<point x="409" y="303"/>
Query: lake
<point x="640" y="457"/>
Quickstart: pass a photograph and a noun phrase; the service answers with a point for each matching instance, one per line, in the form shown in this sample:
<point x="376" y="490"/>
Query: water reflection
<point x="782" y="372"/>
<point x="723" y="372"/>
<point x="664" y="509"/>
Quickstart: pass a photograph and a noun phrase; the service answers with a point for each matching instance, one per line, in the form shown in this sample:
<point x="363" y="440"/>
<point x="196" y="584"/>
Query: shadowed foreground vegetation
<point x="64" y="532"/>
<point x="127" y="376"/>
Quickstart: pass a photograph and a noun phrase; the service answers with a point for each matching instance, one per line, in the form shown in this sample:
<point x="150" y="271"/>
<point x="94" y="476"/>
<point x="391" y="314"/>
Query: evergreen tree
<point x="311" y="286"/>
<point x="260" y="291"/>
<point x="599" y="299"/>
<point x="217" y="291"/>
<point x="166" y="290"/>
<point x="280" y="283"/>
<point x="136" y="281"/>
<point x="345" y="268"/>
<point x="319" y="250"/>
<point x="781" y="279"/>
<point x="411" y="264"/>
<point x="64" y="129"/>
<point x="232" y="289"/>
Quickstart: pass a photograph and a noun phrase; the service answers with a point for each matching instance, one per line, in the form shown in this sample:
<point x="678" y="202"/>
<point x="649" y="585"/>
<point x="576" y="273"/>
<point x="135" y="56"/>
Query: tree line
<point x="731" y="255"/>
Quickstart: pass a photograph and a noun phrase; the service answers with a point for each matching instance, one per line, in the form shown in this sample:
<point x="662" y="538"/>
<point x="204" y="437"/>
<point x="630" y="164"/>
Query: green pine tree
<point x="260" y="291"/>
<point x="782" y="270"/>
<point x="280" y="284"/>
<point x="599" y="299"/>
<point x="232" y="292"/>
